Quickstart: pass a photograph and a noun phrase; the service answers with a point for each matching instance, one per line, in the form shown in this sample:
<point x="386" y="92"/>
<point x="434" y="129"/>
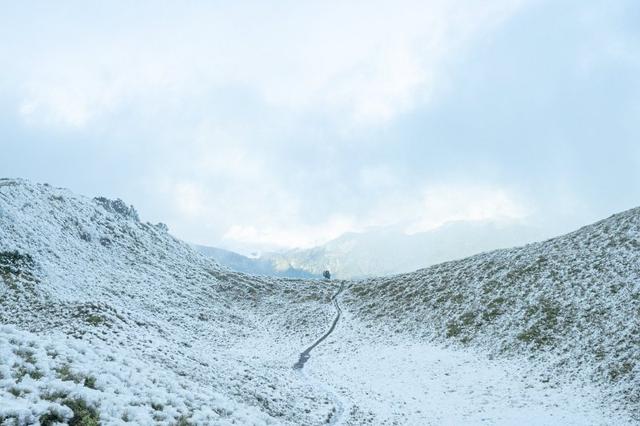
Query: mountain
<point x="106" y="319"/>
<point x="255" y="266"/>
<point x="386" y="251"/>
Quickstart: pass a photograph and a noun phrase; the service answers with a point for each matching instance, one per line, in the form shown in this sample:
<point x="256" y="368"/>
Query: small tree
<point x="327" y="275"/>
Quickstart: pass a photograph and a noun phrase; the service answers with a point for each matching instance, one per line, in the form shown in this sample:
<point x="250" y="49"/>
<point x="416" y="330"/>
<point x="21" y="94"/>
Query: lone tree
<point x="327" y="275"/>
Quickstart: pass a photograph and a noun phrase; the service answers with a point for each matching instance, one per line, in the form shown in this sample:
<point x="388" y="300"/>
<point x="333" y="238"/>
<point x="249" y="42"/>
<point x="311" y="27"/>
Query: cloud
<point x="293" y="235"/>
<point x="189" y="199"/>
<point x="449" y="203"/>
<point x="356" y="64"/>
<point x="286" y="123"/>
<point x="437" y="205"/>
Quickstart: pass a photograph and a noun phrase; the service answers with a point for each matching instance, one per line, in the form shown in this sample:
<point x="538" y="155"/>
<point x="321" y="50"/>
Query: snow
<point x="102" y="315"/>
<point x="121" y="386"/>
<point x="399" y="381"/>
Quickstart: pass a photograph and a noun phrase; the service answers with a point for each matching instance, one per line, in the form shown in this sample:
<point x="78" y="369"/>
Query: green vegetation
<point x="66" y="375"/>
<point x="22" y="371"/>
<point x="542" y="331"/>
<point x="50" y="418"/>
<point x="494" y="309"/>
<point x="15" y="269"/>
<point x="90" y="382"/>
<point x="453" y="329"/>
<point x="94" y="319"/>
<point x="83" y="415"/>
<point x="14" y="263"/>
<point x="54" y="396"/>
<point x="183" y="421"/>
<point x="619" y="371"/>
<point x="26" y="355"/>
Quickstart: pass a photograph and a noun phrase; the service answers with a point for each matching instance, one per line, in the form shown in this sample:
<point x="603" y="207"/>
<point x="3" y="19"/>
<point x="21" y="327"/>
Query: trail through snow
<point x="335" y="416"/>
<point x="306" y="354"/>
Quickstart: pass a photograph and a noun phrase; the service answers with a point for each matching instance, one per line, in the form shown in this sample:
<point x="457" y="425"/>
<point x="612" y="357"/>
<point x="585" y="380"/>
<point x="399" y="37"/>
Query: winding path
<point x="306" y="354"/>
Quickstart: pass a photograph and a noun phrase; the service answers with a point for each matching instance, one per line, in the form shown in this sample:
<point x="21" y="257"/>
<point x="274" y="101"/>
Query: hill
<point x="107" y="319"/>
<point x="106" y="316"/>
<point x="571" y="303"/>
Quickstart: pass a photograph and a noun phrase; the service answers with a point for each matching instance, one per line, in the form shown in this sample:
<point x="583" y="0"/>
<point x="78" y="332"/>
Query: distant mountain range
<point x="381" y="251"/>
<point x="255" y="266"/>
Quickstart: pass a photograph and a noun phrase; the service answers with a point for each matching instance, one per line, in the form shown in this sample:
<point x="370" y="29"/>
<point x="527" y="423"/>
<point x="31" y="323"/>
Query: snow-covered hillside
<point x="571" y="303"/>
<point x="101" y="308"/>
<point x="105" y="319"/>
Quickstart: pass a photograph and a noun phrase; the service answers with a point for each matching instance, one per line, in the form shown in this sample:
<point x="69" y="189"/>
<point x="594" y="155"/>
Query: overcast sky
<point x="281" y="124"/>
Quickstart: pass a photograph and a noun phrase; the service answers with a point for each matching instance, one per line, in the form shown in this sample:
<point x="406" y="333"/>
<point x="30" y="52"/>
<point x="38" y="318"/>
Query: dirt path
<point x="306" y="354"/>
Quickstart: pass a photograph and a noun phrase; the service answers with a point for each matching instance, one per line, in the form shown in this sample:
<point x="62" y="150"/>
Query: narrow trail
<point x="334" y="417"/>
<point x="306" y="354"/>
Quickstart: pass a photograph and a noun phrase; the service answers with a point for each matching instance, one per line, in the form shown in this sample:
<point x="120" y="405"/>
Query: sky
<point x="272" y="125"/>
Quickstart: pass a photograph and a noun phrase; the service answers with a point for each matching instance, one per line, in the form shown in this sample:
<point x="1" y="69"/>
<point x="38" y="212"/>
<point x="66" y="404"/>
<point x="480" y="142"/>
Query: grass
<point x="183" y="421"/>
<point x="26" y="355"/>
<point x="83" y="415"/>
<point x="494" y="309"/>
<point x="21" y="371"/>
<point x="54" y="396"/>
<point x="14" y="262"/>
<point x="66" y="375"/>
<point x="90" y="382"/>
<point x="619" y="371"/>
<point x="541" y="332"/>
<point x="453" y="329"/>
<point x="15" y="268"/>
<point x="95" y="320"/>
<point x="50" y="419"/>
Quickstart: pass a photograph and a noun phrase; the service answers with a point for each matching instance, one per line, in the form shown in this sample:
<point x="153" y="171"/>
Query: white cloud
<point x="449" y="203"/>
<point x="360" y="64"/>
<point x="293" y="235"/>
<point x="189" y="199"/>
<point x="415" y="212"/>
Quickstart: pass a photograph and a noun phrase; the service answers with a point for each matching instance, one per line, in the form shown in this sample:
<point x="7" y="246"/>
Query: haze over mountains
<point x="106" y="319"/>
<point x="263" y="265"/>
<point x="383" y="251"/>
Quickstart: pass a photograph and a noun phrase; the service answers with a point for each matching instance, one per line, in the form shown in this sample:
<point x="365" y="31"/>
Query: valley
<point x="105" y="319"/>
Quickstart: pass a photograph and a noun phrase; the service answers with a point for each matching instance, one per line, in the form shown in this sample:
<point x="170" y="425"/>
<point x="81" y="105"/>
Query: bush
<point x="14" y="263"/>
<point x="83" y="415"/>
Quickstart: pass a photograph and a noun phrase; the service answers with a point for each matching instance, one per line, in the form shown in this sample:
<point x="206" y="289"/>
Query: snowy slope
<point x="82" y="273"/>
<point x="106" y="318"/>
<point x="571" y="304"/>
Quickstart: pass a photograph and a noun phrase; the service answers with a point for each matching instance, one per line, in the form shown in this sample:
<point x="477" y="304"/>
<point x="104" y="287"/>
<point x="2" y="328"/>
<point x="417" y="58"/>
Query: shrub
<point x="90" y="382"/>
<point x="453" y="329"/>
<point x="83" y="415"/>
<point x="94" y="319"/>
<point x="14" y="262"/>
